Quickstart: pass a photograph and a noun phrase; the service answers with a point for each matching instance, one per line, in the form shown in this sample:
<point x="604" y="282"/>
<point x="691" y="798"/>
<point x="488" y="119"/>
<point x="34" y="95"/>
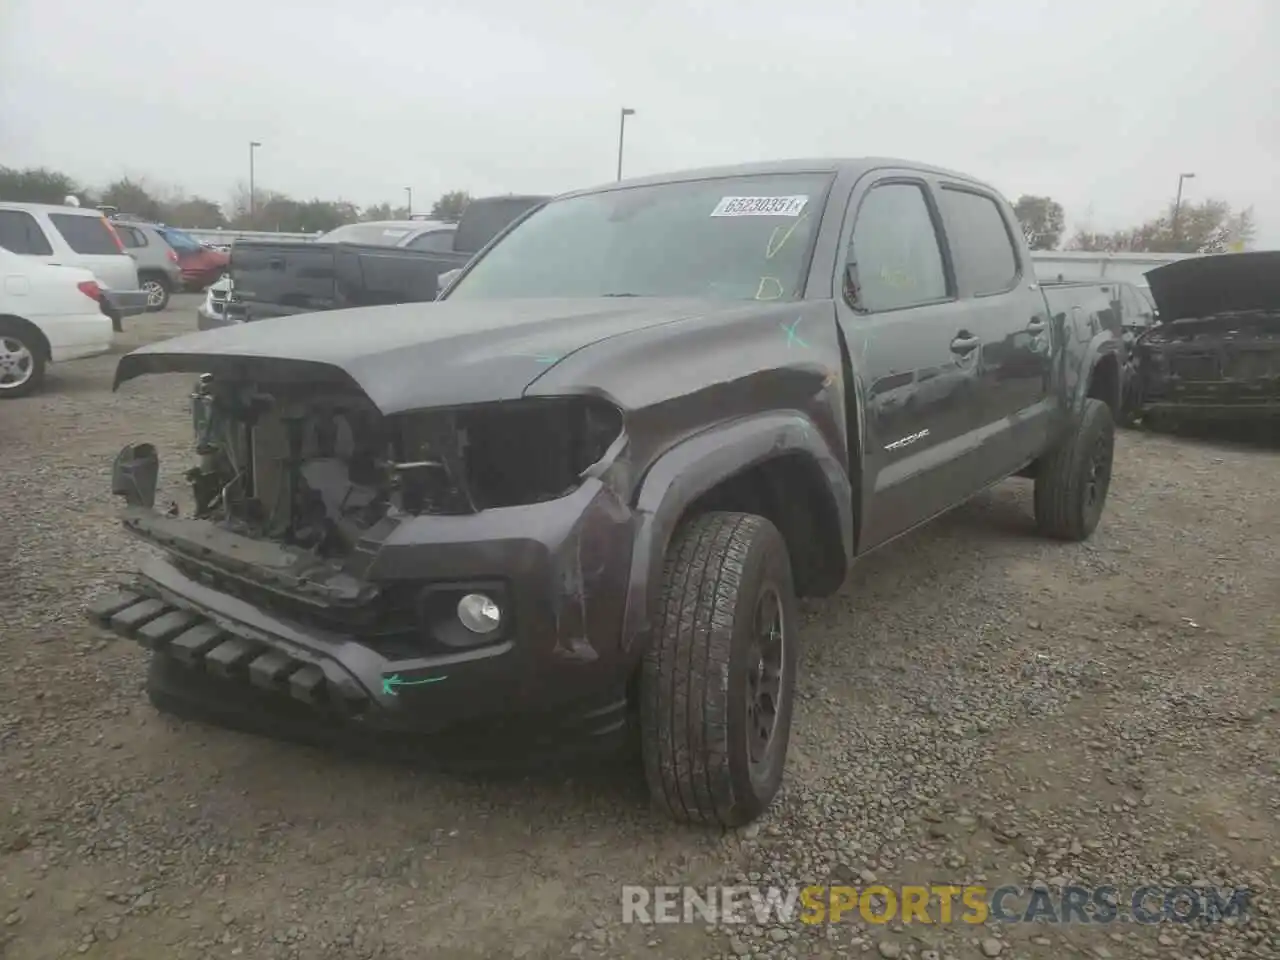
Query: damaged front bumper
<point x="383" y="650"/>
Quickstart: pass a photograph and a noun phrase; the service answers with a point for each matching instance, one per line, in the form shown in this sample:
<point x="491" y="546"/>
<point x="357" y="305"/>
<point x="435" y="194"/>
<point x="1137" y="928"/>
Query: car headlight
<point x="500" y="454"/>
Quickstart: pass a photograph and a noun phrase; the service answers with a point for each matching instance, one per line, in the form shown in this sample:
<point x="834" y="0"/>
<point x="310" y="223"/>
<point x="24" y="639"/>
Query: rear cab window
<point x="982" y="246"/>
<point x="437" y="241"/>
<point x="20" y="232"/>
<point x="85" y="234"/>
<point x="895" y="251"/>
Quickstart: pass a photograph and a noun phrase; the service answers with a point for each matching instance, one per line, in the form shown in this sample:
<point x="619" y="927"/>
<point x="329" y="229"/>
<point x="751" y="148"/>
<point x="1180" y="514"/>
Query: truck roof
<point x="833" y="165"/>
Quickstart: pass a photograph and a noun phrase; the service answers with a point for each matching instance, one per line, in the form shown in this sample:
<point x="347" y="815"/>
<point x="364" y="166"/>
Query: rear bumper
<point x="119" y="304"/>
<point x="72" y="336"/>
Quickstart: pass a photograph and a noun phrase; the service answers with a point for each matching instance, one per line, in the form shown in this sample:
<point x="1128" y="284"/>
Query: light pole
<point x="409" y="192"/>
<point x="622" y="130"/>
<point x="1177" y="205"/>
<point x="253" y="198"/>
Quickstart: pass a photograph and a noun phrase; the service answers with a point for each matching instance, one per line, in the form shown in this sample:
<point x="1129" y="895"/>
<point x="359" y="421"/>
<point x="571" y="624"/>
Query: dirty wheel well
<point x="790" y="492"/>
<point x="1104" y="384"/>
<point x="28" y="329"/>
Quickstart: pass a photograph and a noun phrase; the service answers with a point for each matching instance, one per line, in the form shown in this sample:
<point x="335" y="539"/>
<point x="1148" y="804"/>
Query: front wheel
<point x="157" y="294"/>
<point x="717" y="683"/>
<point x="1073" y="479"/>
<point x="21" y="361"/>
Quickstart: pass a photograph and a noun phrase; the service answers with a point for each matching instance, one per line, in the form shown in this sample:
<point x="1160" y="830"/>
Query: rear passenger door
<point x="912" y="345"/>
<point x="1007" y="312"/>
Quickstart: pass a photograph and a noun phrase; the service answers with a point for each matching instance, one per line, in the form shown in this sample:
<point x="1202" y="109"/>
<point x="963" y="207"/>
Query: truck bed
<point x="278" y="278"/>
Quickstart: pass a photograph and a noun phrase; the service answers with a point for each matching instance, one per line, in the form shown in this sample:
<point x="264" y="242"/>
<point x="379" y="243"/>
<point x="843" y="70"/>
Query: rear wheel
<point x="1073" y="479"/>
<point x="717" y="684"/>
<point x="157" y="290"/>
<point x="22" y="360"/>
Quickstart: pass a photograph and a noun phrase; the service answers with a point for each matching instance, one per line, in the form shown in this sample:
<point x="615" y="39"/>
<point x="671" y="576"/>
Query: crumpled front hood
<point x="415" y="355"/>
<point x="1222" y="283"/>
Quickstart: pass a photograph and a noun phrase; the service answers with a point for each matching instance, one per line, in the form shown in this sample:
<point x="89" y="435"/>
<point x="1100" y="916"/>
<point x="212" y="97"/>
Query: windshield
<point x="732" y="238"/>
<point x="381" y="234"/>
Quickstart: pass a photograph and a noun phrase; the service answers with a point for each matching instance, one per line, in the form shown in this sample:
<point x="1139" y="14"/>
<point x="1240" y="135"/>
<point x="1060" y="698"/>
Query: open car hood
<point x="1223" y="283"/>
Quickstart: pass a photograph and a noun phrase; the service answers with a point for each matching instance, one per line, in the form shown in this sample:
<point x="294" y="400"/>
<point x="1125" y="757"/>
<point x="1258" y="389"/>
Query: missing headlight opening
<point x="317" y="470"/>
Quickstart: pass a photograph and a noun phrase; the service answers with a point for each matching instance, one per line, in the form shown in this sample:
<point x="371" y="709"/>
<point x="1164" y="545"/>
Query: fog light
<point x="479" y="614"/>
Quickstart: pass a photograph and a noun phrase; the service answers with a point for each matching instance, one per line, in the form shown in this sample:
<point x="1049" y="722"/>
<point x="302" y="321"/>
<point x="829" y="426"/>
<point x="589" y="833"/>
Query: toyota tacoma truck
<point x="1215" y="352"/>
<point x="579" y="495"/>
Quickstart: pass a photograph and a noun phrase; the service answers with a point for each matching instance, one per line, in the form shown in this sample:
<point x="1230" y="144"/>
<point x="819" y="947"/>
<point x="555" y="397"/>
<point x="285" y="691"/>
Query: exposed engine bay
<point x="1230" y="359"/>
<point x="316" y="470"/>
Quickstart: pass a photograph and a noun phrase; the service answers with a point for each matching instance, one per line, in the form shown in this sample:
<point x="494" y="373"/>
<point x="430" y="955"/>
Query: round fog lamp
<point x="479" y="614"/>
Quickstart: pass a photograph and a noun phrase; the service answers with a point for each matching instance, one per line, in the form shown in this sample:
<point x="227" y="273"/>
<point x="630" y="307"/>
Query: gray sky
<point x="1098" y="104"/>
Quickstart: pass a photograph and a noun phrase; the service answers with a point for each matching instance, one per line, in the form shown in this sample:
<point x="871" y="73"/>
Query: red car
<point x="200" y="265"/>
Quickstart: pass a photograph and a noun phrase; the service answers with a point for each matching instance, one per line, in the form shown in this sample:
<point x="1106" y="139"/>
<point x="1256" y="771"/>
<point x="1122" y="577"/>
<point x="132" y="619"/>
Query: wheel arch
<point x="777" y="465"/>
<point x="26" y="326"/>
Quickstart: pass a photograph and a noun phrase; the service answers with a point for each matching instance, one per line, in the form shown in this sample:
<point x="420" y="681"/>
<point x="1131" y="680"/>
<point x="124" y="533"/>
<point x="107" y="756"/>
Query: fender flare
<point x="686" y="471"/>
<point x="1102" y="346"/>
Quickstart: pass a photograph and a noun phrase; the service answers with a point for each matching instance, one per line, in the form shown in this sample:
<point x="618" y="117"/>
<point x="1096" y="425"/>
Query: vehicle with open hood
<point x="580" y="494"/>
<point x="1215" y="352"/>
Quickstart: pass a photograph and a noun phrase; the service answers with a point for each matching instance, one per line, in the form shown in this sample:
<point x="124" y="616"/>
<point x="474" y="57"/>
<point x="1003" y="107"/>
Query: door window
<point x="131" y="237"/>
<point x="87" y="235"/>
<point x="895" y="249"/>
<point x="985" y="258"/>
<point x="20" y="233"/>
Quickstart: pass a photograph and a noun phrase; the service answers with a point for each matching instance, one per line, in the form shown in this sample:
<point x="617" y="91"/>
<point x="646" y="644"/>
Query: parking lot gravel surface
<point x="976" y="705"/>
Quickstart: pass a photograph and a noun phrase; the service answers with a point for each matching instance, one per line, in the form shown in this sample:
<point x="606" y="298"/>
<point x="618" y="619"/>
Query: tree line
<point x="267" y="210"/>
<point x="1210" y="226"/>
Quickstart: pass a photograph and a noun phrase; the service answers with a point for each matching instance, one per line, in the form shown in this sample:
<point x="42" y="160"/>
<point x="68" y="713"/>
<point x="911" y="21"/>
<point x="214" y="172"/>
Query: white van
<point x="74" y="237"/>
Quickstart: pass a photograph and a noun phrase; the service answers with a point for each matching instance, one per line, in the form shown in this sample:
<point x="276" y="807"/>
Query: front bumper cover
<point x="560" y="659"/>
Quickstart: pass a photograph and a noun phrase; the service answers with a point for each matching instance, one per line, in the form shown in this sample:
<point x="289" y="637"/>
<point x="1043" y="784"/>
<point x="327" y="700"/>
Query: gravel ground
<point x="977" y="705"/>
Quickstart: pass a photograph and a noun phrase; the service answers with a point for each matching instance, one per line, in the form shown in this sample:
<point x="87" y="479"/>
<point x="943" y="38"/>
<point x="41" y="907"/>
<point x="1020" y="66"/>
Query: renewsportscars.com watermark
<point x="934" y="904"/>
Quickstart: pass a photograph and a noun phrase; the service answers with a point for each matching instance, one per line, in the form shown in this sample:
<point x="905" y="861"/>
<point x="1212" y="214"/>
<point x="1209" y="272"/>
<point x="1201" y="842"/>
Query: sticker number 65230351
<point x="760" y="206"/>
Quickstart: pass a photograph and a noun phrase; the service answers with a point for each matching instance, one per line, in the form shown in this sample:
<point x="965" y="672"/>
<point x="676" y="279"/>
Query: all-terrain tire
<point x="18" y="340"/>
<point x="1073" y="479"/>
<point x="696" y="721"/>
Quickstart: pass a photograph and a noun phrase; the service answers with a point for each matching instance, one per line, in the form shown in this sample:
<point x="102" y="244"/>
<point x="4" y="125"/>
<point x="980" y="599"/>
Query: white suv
<point x="75" y="237"/>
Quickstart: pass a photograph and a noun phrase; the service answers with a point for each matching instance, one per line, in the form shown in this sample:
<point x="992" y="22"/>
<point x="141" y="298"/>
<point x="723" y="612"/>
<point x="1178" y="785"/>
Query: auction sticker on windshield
<point x="760" y="206"/>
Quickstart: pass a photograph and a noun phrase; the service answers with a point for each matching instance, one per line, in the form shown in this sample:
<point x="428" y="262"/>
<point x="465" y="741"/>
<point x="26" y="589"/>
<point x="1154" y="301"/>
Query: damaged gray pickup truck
<point x="578" y="496"/>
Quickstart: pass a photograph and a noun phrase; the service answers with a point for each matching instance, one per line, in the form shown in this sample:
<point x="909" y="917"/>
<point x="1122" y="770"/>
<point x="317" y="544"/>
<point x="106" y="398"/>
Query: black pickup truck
<point x="579" y="494"/>
<point x="274" y="278"/>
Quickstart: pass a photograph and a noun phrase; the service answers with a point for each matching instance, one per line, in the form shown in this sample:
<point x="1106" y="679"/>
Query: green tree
<point x="1042" y="221"/>
<point x="39" y="185"/>
<point x="450" y="206"/>
<point x="1210" y="226"/>
<point x="384" y="211"/>
<point x="131" y="196"/>
<point x="195" y="212"/>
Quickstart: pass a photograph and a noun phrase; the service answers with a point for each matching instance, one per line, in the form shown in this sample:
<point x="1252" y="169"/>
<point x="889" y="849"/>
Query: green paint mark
<point x="792" y="336"/>
<point x="390" y="683"/>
